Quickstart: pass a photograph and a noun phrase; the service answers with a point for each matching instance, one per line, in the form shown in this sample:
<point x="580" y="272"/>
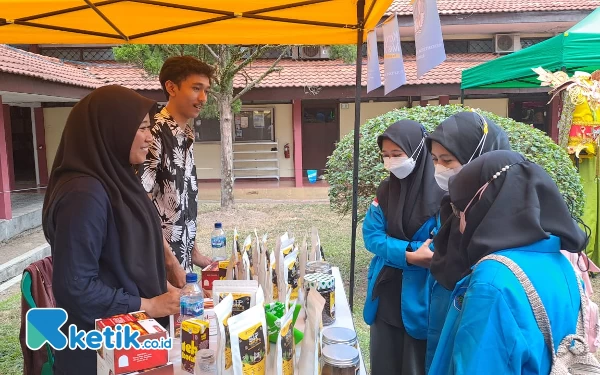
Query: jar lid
<point x="340" y="355"/>
<point x="207" y="355"/>
<point x="319" y="266"/>
<point x="339" y="335"/>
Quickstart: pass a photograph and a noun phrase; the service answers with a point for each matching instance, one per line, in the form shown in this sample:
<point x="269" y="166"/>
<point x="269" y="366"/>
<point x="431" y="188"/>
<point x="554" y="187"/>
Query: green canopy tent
<point x="577" y="49"/>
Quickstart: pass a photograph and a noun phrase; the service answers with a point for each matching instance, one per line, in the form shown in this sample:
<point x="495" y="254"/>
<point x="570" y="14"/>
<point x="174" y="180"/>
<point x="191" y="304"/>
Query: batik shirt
<point x="169" y="174"/>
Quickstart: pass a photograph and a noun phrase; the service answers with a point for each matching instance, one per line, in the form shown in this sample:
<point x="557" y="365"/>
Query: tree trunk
<point x="225" y="113"/>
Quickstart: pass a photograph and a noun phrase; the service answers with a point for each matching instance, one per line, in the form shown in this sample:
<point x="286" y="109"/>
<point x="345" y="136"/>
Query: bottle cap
<point x="191" y="278"/>
<point x="218" y="225"/>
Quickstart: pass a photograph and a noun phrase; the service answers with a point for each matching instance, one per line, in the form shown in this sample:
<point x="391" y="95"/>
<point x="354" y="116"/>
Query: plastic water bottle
<point x="218" y="242"/>
<point x="192" y="298"/>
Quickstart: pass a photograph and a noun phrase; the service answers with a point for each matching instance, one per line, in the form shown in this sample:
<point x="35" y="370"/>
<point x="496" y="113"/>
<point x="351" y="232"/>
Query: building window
<point x="530" y="42"/>
<point x="481" y="46"/>
<point x="249" y="125"/>
<point x="80" y="54"/>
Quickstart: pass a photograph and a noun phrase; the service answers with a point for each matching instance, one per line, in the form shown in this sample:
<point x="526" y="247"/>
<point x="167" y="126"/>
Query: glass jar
<point x="318" y="266"/>
<point x="325" y="285"/>
<point x="339" y="335"/>
<point x="339" y="359"/>
<point x="205" y="362"/>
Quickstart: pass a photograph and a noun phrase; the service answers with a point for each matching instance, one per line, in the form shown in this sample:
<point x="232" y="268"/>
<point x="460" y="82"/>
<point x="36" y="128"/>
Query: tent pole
<point x="360" y="13"/>
<point x="462" y="97"/>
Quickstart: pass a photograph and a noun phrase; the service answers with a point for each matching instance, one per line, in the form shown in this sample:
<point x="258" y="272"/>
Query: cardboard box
<point x="210" y="273"/>
<point x="168" y="369"/>
<point x="175" y="326"/>
<point x="194" y="337"/>
<point x="123" y="361"/>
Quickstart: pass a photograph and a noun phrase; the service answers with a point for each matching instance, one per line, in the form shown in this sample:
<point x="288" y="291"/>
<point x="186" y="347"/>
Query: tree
<point x="525" y="139"/>
<point x="229" y="61"/>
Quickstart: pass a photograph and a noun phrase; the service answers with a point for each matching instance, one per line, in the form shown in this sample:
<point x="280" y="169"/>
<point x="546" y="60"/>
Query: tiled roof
<point x="16" y="61"/>
<point x="125" y="75"/>
<point x="292" y="73"/>
<point x="403" y="7"/>
<point x="330" y="73"/>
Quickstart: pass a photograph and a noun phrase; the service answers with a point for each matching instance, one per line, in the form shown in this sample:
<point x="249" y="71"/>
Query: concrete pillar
<point x="9" y="147"/>
<point x="444" y="99"/>
<point x="40" y="146"/>
<point x="297" y="126"/>
<point x="5" y="206"/>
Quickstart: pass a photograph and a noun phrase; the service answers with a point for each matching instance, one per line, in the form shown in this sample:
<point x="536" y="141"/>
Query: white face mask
<point x="443" y="174"/>
<point x="402" y="166"/>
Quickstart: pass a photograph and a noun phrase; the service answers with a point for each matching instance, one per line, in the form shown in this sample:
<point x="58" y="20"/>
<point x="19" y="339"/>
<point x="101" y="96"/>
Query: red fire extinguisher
<point x="286" y="150"/>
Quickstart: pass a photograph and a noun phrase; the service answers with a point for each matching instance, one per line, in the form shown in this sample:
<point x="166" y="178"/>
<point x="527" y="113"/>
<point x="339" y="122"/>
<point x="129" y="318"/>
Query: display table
<point x="343" y="318"/>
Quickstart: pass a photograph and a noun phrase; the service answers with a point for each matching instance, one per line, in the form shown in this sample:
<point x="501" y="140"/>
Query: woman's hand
<point x="422" y="256"/>
<point x="163" y="305"/>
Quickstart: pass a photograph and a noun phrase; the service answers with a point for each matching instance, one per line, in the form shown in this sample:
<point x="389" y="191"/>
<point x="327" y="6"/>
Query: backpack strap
<point x="539" y="311"/>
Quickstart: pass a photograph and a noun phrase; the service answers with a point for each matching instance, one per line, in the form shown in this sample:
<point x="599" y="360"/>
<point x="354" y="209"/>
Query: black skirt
<point x="393" y="350"/>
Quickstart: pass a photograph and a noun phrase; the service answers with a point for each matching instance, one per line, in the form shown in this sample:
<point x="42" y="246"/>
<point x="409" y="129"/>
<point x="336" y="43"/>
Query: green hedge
<point x="530" y="142"/>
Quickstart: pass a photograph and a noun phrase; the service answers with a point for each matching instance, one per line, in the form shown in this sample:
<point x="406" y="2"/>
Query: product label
<point x="293" y="276"/>
<point x="228" y="360"/>
<point x="241" y="302"/>
<point x="275" y="291"/>
<point x="253" y="350"/>
<point x="287" y="349"/>
<point x="218" y="242"/>
<point x="332" y="304"/>
<point x="194" y="337"/>
<point x="192" y="306"/>
<point x="223" y="264"/>
<point x="329" y="308"/>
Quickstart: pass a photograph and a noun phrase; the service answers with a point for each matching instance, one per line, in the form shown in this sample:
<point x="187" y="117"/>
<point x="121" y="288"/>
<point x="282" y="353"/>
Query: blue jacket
<point x="438" y="309"/>
<point x="490" y="327"/>
<point x="391" y="252"/>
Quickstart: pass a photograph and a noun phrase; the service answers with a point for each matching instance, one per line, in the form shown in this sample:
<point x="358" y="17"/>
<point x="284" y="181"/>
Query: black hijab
<point x="460" y="134"/>
<point x="96" y="142"/>
<point x="408" y="203"/>
<point x="520" y="207"/>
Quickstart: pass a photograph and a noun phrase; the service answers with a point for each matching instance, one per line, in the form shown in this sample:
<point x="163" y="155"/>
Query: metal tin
<point x="339" y="335"/>
<point x="339" y="359"/>
<point x="318" y="266"/>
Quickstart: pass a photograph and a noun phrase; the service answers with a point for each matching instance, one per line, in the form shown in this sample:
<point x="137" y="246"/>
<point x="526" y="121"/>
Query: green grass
<point x="11" y="362"/>
<point x="274" y="219"/>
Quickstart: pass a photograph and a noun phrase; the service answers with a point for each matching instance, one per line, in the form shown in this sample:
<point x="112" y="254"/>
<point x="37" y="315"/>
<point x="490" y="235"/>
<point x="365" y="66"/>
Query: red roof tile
<point x="330" y="73"/>
<point x="403" y="7"/>
<point x="16" y="61"/>
<point x="125" y="75"/>
<point x="292" y="73"/>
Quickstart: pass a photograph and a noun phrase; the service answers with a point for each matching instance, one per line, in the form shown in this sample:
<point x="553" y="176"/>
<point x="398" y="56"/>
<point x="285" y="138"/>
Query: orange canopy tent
<point x="200" y="22"/>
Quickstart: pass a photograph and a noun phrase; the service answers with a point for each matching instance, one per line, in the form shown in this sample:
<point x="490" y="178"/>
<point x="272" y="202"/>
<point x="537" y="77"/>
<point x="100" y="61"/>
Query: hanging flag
<point x="429" y="42"/>
<point x="393" y="63"/>
<point x="373" y="74"/>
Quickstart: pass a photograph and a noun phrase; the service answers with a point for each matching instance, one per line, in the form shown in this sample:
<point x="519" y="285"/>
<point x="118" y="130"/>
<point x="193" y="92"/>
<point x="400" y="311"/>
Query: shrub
<point x="530" y="142"/>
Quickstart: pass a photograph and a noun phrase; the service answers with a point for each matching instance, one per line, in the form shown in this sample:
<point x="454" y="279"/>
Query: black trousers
<point x="394" y="351"/>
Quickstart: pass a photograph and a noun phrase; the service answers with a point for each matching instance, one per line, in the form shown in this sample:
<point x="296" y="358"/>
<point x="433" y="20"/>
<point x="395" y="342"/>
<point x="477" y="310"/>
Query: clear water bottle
<point x="192" y="298"/>
<point x="218" y="242"/>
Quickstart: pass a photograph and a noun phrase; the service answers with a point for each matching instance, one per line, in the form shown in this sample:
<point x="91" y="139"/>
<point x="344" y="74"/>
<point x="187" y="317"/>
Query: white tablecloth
<point x="343" y="318"/>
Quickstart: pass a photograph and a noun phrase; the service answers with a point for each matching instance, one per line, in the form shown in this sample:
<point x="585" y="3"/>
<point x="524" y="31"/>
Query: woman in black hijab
<point x="511" y="207"/>
<point x="103" y="231"/>
<point x="457" y="141"/>
<point x="396" y="230"/>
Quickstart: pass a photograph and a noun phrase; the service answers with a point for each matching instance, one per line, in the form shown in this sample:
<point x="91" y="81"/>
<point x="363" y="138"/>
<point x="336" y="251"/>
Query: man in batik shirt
<point x="169" y="173"/>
